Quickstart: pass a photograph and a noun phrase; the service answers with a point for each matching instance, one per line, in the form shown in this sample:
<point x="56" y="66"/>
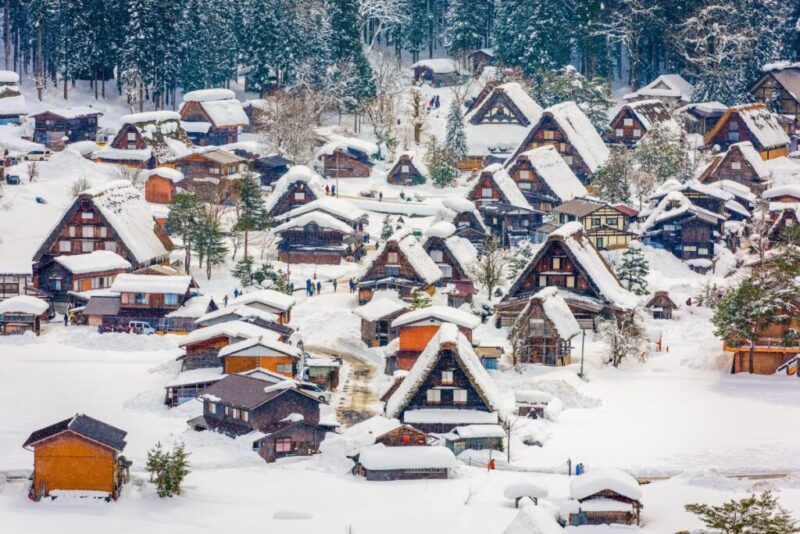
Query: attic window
<point x="549" y="134"/>
<point x="447" y="377"/>
<point x="437" y="256"/>
<point x="87" y="215"/>
<point x="434" y="396"/>
<point x="628" y="122"/>
<point x="486" y="192"/>
<point x="637" y="132"/>
<point x="392" y="258"/>
<point x="460" y="396"/>
<point x="405" y="169"/>
<point x="736" y="165"/>
<point x="524" y="175"/>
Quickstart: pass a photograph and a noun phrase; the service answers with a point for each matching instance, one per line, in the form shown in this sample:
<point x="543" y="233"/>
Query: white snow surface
<point x="381" y="458"/>
<point x="165" y="172"/>
<point x="438" y="314"/>
<point x="24" y="304"/>
<point x="383" y="303"/>
<point x="533" y="520"/>
<point x="151" y="283"/>
<point x="259" y="343"/>
<point x="268" y="297"/>
<point x="92" y="262"/>
<point x="209" y="95"/>
<point x="339" y="208"/>
<point x="676" y="87"/>
<point x="317" y="217"/>
<point x="597" y="480"/>
<point x="437" y="65"/>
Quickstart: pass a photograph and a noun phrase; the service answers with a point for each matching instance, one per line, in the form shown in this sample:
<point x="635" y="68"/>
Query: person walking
<point x="308" y="287"/>
<point x="333" y="190"/>
<point x="327" y="190"/>
<point x="334" y="285"/>
<point x="319" y="287"/>
<point x="225" y="301"/>
<point x="380" y="196"/>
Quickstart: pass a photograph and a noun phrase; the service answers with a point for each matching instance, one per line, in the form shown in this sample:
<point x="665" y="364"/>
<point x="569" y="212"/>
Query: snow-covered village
<point x="476" y="266"/>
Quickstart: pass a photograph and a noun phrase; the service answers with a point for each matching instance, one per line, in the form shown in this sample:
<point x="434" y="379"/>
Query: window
<point x="570" y="282"/>
<point x="596" y="221"/>
<point x="299" y="196"/>
<point x="562" y="147"/>
<point x="627" y="122"/>
<point x="486" y="192"/>
<point x="542" y="281"/>
<point x="103" y="231"/>
<point x="171" y="299"/>
<point x="227" y="411"/>
<point x="283" y="445"/>
<point x="702" y="251"/>
<point x="637" y="132"/>
<point x="140" y="298"/>
<point x="460" y="396"/>
<point x="525" y="185"/>
<point x="548" y="134"/>
<point x="556" y="263"/>
<point x="669" y="227"/>
<point x="236" y="413"/>
<point x="447" y="270"/>
<point x="567" y="159"/>
<point x="86" y="215"/>
<point x="689" y="248"/>
<point x="391" y="257"/>
<point x="393" y="270"/>
<point x="733" y="136"/>
<point x="214" y="170"/>
<point x="736" y="165"/>
<point x="245" y="416"/>
<point x="611" y="221"/>
<point x="434" y="396"/>
<point x="131" y="137"/>
<point x="212" y="407"/>
<point x="284" y="368"/>
<point x="110" y="245"/>
<point x="9" y="288"/>
<point x="73" y="231"/>
<point x="437" y="256"/>
<point x="87" y="231"/>
<point x="55" y="284"/>
<point x="447" y="377"/>
<point x="64" y="246"/>
<point x="87" y="246"/>
<point x="619" y="132"/>
<point x="524" y="175"/>
<point x="405" y="169"/>
<point x="598" y="242"/>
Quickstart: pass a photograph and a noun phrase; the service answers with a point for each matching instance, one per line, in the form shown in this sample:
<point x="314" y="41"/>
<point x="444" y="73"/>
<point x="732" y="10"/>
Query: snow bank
<point x="24" y="304"/>
<point x="533" y="520"/>
<point x="517" y="490"/>
<point x="380" y="458"/>
<point x="438" y="314"/>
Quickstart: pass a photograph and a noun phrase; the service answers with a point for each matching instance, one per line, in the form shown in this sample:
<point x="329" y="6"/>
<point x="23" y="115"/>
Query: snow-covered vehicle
<point x="315" y="390"/>
<point x="38" y="154"/>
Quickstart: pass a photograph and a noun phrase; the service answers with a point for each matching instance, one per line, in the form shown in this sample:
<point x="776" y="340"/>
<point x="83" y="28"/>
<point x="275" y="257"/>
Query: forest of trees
<point x="147" y="49"/>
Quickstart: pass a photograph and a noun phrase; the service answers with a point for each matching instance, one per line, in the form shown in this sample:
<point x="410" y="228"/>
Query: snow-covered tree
<point x="633" y="269"/>
<point x="456" y="140"/>
<point x="519" y="257"/>
<point x="185" y="214"/>
<point x="440" y="164"/>
<point x="750" y="515"/>
<point x="612" y="181"/>
<point x="251" y="214"/>
<point x="377" y="17"/>
<point x="660" y="155"/>
<point x="210" y="241"/>
<point x="346" y="47"/>
<point x="551" y="87"/>
<point x="490" y="268"/>
<point x="286" y="124"/>
<point x="418" y="113"/>
<point x="625" y="337"/>
<point x="466" y="25"/>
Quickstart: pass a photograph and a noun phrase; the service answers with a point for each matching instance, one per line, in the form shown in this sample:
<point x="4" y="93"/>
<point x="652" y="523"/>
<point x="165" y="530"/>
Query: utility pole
<point x="583" y="346"/>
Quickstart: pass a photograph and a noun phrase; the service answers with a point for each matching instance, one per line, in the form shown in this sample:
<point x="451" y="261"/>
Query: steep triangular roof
<point x="650" y="112"/>
<point x="556" y="311"/>
<point x="412" y="251"/>
<point x="759" y="120"/>
<point x="749" y="154"/>
<point x="298" y="173"/>
<point x="666" y="85"/>
<point x="523" y="108"/>
<point x="554" y="171"/>
<point x="448" y="337"/>
<point x="460" y="249"/>
<point x="506" y="186"/>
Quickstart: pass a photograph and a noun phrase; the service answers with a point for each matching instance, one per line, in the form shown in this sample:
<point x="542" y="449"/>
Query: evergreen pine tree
<point x="178" y="467"/>
<point x="252" y="215"/>
<point x="466" y="23"/>
<point x="633" y="269"/>
<point x="612" y="181"/>
<point x="551" y="87"/>
<point x="456" y="140"/>
<point x="751" y="515"/>
<point x="440" y="167"/>
<point x="415" y="31"/>
<point x="387" y="230"/>
<point x="419" y="299"/>
<point x="347" y="50"/>
<point x="243" y="271"/>
<point x="185" y="214"/>
<point x="211" y="242"/>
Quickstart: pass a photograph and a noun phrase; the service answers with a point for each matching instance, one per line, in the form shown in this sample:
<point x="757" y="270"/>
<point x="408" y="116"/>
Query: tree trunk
<point x="752" y="349"/>
<point x="187" y="261"/>
<point x="66" y="89"/>
<point x="245" y="244"/>
<point x="6" y="32"/>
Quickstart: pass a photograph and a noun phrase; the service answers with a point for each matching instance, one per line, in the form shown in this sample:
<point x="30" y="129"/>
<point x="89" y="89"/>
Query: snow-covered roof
<point x="551" y="167"/>
<point x="507" y="186"/>
<point x="253" y="344"/>
<point x="267" y="297"/>
<point x="761" y="122"/>
<point x="110" y="153"/>
<point x="196" y="376"/>
<point x="753" y="158"/>
<point x="126" y="211"/>
<point x="9" y="76"/>
<point x="518" y="97"/>
<point x="220" y="105"/>
<point x="532" y="396"/>
<point x="165" y="172"/>
<point x="533" y="520"/>
<point x="151" y="116"/>
<point x="193" y="308"/>
<point x="437" y="65"/>
<point x="462" y="250"/>
<point x="378" y="457"/>
<point x="24" y="304"/>
<point x="16" y="267"/>
<point x="790" y="190"/>
<point x="557" y="311"/>
<point x="597" y="480"/>
<point x="297" y="173"/>
<point x="232" y="329"/>
<point x="576" y="241"/>
<point x="441" y="229"/>
<point x="581" y="133"/>
<point x="72" y="112"/>
<point x="339" y="208"/>
<point x="241" y="311"/>
<point x="160" y="131"/>
<point x="151" y="283"/>
<point x="415" y="159"/>
<point x="453" y="416"/>
<point x="382" y="304"/>
<point x="408" y="245"/>
<point x="92" y="262"/>
<point x="675" y="204"/>
<point x="459" y="204"/>
<point x="666" y="85"/>
<point x="317" y="217"/>
<point x="450" y="336"/>
<point x="738" y="190"/>
<point x="479" y="431"/>
<point x="367" y="431"/>
<point x="208" y="95"/>
<point x="650" y="112"/>
<point x="11" y="102"/>
<point x="340" y="142"/>
<point x="493" y="139"/>
<point x="438" y="315"/>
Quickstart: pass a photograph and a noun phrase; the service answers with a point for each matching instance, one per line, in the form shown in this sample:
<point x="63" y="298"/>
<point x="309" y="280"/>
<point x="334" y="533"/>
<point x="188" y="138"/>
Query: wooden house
<point x="700" y="117"/>
<point x="377" y="316"/>
<point x="278" y="420"/>
<point x="440" y="72"/>
<point x="12" y="102"/>
<point x="570" y="131"/>
<point x="447" y="387"/>
<point x="79" y="454"/>
<point x="480" y="88"/>
<point x="382" y="463"/>
<point x="211" y="173"/>
<point x="57" y="128"/>
<point x="339" y="209"/>
<point x="161" y="185"/>
<point x="247" y="314"/>
<point x="279" y="304"/>
<point x="404" y="436"/>
<point x="212" y="116"/>
<point x="634" y="120"/>
<point x="453" y="255"/>
<point x="416" y="328"/>
<point x="782" y="215"/>
<point x="750" y="122"/>
<point x="147" y="140"/>
<point x="779" y="87"/>
<point x="322" y="371"/>
<point x="545" y="179"/>
<point x="661" y="306"/>
<point x="112" y="217"/>
<point x="569" y="261"/>
<point x="774" y="346"/>
<point x="787" y="193"/>
<point x="481" y="58"/>
<point x="724" y="201"/>
<point x="605" y="225"/>
<point x="21" y="314"/>
<point x="299" y="186"/>
<point x="80" y="273"/>
<point x="201" y="347"/>
<point x="347" y="157"/>
<point x="602" y="497"/>
<point x="671" y="89"/>
<point x="547" y="327"/>
<point x="531" y="403"/>
<point x="475" y="437"/>
<point x="678" y="225"/>
<point x="504" y="209"/>
<point x="262" y="352"/>
<point x="742" y="164"/>
<point x="496" y="126"/>
<point x="463" y="214"/>
<point x="189" y="385"/>
<point x="400" y="264"/>
<point x="271" y="168"/>
<point x="16" y="278"/>
<point x="409" y="169"/>
<point x="318" y="238"/>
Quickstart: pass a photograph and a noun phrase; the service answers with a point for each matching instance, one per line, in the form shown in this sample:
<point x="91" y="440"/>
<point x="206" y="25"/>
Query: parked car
<point x="141" y="327"/>
<point x="315" y="390"/>
<point x="38" y="154"/>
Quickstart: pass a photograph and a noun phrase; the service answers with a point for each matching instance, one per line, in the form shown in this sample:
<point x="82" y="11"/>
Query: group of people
<point x="330" y="190"/>
<point x="434" y="102"/>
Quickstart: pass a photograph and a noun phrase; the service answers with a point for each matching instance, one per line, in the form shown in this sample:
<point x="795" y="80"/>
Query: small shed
<point x="271" y="168"/>
<point x="440" y="72"/>
<point x="481" y="58"/>
<point x="404" y="436"/>
<point x="378" y="462"/>
<point x="531" y="403"/>
<point x="161" y="185"/>
<point x="475" y="437"/>
<point x="661" y="306"/>
<point x="377" y="316"/>
<point x="21" y="314"/>
<point x="322" y="371"/>
<point x="603" y="496"/>
<point x="78" y="454"/>
<point x="347" y="157"/>
<point x="409" y="169"/>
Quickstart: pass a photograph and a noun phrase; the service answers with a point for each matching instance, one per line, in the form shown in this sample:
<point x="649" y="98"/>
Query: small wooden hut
<point x="661" y="306"/>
